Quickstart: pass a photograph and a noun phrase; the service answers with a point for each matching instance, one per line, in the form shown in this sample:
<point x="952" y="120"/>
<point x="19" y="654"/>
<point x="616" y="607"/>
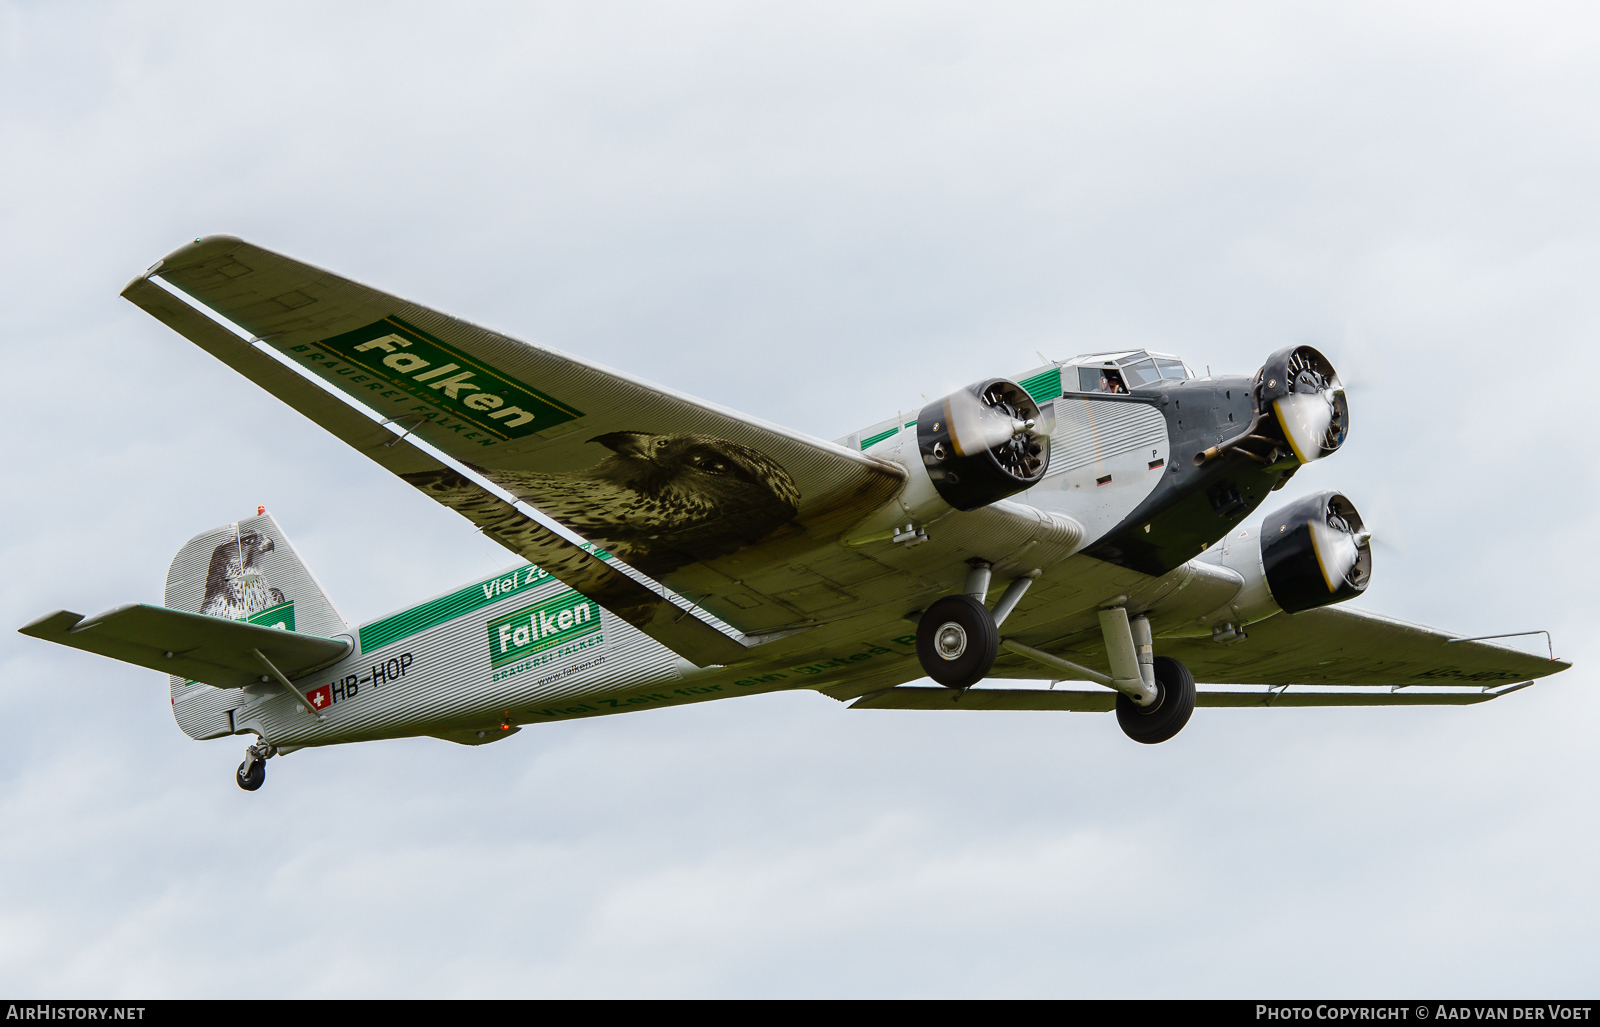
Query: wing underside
<point x="1327" y="646"/>
<point x="1104" y="700"/>
<point x="741" y="519"/>
<point x="639" y="605"/>
<point x="692" y="495"/>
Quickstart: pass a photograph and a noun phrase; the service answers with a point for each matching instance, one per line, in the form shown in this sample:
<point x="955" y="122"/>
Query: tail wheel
<point x="1166" y="716"/>
<point x="252" y="774"/>
<point x="957" y="641"/>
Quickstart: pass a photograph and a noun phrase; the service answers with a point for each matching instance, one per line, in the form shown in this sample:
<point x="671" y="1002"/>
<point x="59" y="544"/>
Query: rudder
<point x="243" y="571"/>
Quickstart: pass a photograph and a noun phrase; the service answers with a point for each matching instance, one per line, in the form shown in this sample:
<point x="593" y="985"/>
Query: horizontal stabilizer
<point x="207" y="649"/>
<point x="1101" y="701"/>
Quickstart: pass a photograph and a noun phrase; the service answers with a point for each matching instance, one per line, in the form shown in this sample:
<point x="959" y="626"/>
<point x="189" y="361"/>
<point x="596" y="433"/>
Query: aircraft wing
<point x="678" y="489"/>
<point x="1336" y="645"/>
<point x="1333" y="645"/>
<point x="577" y="567"/>
<point x="223" y="653"/>
<point x="1104" y="700"/>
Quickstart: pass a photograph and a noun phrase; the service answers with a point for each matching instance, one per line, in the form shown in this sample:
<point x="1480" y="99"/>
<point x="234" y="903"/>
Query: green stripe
<point x="448" y="607"/>
<point x="430" y="614"/>
<point x="1044" y="385"/>
<point x="873" y="440"/>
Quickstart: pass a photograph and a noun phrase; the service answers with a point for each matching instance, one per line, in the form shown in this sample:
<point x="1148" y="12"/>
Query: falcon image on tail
<point x="235" y="587"/>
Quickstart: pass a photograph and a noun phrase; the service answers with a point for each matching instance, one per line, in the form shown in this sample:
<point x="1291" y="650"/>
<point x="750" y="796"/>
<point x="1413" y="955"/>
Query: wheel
<point x="957" y="641"/>
<point x="1167" y="715"/>
<point x="252" y="778"/>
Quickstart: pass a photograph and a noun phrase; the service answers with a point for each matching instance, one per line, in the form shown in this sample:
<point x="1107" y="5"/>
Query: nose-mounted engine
<point x="1307" y="401"/>
<point x="1300" y="409"/>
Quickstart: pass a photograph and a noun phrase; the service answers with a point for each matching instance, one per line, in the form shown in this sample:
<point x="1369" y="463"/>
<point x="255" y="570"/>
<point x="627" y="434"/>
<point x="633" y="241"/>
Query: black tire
<point x="1171" y="710"/>
<point x="962" y="626"/>
<point x="254" y="778"/>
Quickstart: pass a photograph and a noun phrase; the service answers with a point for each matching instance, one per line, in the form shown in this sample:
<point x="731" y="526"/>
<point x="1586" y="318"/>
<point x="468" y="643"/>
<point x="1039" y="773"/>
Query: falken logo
<point x="554" y="627"/>
<point x="280" y="617"/>
<point x="430" y="369"/>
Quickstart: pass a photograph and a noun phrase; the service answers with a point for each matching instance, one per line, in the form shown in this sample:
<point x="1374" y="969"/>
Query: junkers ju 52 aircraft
<point x="1088" y="521"/>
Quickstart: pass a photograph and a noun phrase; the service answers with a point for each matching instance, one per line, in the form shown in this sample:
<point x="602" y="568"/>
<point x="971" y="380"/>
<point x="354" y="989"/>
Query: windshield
<point x="1125" y="369"/>
<point x="1142" y="372"/>
<point x="1144" y="368"/>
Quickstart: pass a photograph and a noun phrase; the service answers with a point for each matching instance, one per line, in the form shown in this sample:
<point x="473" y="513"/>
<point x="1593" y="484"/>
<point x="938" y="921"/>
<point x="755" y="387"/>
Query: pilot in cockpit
<point x="1111" y="381"/>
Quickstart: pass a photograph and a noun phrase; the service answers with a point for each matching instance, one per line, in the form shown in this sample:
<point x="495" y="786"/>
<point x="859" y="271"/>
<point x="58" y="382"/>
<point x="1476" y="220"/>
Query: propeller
<point x="1343" y="546"/>
<point x="1309" y="401"/>
<point x="1002" y="420"/>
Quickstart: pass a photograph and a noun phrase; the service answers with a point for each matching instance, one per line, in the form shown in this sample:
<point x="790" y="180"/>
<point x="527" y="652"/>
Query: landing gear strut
<point x="252" y="773"/>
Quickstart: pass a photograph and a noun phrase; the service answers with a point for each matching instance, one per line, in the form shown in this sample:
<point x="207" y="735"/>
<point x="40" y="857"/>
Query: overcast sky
<point x="815" y="213"/>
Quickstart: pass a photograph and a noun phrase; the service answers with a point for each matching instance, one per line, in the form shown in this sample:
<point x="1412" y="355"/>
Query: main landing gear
<point x="958" y="640"/>
<point x="1166" y="716"/>
<point x="252" y="773"/>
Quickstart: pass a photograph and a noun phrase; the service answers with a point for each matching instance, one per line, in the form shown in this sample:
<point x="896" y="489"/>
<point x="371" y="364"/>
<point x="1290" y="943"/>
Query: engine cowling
<point x="1314" y="552"/>
<point x="1299" y="385"/>
<point x="982" y="443"/>
<point x="970" y="449"/>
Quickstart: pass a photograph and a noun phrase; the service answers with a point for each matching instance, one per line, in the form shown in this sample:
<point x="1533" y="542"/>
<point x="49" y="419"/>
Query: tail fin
<point x="249" y="571"/>
<point x="245" y="571"/>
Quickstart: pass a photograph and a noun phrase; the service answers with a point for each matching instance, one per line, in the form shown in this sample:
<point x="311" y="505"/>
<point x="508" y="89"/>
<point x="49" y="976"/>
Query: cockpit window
<point x="1142" y="373"/>
<point x="1100" y="379"/>
<point x="1119" y="372"/>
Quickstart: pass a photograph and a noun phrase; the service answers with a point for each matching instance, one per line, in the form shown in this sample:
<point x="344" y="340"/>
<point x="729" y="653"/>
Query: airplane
<point x="1089" y="521"/>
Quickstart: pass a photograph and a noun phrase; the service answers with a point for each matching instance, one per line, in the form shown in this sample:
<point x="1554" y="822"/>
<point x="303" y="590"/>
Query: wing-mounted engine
<point x="982" y="443"/>
<point x="1319" y="554"/>
<point x="1314" y="552"/>
<point x="974" y="447"/>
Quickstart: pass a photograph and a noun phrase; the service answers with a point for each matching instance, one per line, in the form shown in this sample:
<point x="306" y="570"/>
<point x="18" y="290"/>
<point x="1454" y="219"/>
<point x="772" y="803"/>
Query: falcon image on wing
<point x="1098" y="521"/>
<point x="662" y="501"/>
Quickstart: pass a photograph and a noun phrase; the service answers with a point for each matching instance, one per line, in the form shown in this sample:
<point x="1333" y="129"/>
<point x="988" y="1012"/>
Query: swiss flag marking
<point x="320" y="697"/>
